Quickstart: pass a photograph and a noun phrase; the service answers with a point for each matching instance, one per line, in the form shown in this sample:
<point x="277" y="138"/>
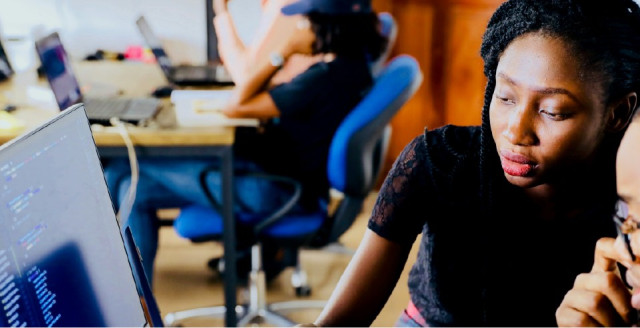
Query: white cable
<point x="127" y="204"/>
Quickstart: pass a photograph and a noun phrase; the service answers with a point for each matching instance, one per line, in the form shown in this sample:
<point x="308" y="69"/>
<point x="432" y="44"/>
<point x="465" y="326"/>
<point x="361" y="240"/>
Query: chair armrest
<point x="286" y="207"/>
<point x="277" y="214"/>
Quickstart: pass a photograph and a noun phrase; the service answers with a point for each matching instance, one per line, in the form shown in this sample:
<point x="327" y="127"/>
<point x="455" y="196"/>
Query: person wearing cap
<point x="300" y="117"/>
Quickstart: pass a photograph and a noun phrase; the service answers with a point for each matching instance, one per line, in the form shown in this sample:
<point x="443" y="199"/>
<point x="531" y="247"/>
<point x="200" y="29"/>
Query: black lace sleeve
<point x="399" y="212"/>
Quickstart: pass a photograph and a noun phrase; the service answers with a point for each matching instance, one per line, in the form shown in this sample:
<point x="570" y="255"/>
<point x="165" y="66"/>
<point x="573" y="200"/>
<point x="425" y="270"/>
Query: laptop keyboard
<point x="130" y="110"/>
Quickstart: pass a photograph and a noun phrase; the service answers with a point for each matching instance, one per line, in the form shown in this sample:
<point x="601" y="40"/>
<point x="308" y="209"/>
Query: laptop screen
<point x="154" y="43"/>
<point x="57" y="68"/>
<point x="62" y="257"/>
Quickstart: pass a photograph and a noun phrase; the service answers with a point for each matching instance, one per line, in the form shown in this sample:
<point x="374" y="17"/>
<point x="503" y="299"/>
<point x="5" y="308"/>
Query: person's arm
<point x="366" y="284"/>
<point x="250" y="66"/>
<point x="230" y="47"/>
<point x="600" y="297"/>
<point x="260" y="106"/>
<point x="288" y="99"/>
<point x="395" y="222"/>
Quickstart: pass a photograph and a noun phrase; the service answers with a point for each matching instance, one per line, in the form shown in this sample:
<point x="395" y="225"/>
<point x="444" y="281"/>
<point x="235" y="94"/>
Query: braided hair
<point x="604" y="35"/>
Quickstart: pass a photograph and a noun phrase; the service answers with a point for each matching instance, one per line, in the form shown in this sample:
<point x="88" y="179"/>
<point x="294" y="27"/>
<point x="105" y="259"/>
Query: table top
<point x="35" y="105"/>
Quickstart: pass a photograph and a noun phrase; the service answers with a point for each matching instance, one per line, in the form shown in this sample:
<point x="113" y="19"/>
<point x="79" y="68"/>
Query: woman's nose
<point x="521" y="128"/>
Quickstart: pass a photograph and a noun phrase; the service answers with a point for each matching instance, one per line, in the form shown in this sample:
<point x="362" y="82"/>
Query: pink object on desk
<point x="139" y="53"/>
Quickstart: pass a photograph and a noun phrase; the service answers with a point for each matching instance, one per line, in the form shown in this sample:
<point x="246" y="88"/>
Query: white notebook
<point x="202" y="108"/>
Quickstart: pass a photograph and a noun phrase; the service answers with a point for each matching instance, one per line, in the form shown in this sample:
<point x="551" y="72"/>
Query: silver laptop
<point x="63" y="82"/>
<point x="214" y="74"/>
<point x="62" y="257"/>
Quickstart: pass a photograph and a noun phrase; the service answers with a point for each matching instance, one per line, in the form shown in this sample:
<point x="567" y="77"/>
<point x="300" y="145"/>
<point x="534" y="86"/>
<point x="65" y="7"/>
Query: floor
<point x="183" y="281"/>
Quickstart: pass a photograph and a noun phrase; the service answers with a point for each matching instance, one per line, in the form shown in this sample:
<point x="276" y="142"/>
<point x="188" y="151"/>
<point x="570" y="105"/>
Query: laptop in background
<point x="62" y="257"/>
<point x="57" y="68"/>
<point x="214" y="74"/>
<point x="5" y="67"/>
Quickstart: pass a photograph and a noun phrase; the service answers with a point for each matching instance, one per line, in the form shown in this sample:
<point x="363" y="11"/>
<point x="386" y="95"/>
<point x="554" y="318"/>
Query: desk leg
<point x="229" y="238"/>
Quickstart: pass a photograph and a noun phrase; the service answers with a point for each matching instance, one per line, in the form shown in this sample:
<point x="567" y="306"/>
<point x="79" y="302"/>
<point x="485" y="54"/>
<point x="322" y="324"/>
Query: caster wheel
<point x="303" y="291"/>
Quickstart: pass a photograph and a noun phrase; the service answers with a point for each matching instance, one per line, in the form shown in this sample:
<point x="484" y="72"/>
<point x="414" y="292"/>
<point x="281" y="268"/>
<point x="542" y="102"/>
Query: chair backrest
<point x="389" y="29"/>
<point x="359" y="143"/>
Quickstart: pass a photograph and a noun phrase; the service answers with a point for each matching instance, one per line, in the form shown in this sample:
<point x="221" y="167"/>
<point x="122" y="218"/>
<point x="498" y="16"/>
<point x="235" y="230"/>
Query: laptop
<point x="63" y="261"/>
<point x="214" y="74"/>
<point x="5" y="67"/>
<point x="57" y="68"/>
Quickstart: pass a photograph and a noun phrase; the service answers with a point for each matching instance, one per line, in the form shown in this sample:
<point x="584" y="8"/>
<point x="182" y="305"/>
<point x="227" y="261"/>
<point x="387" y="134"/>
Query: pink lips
<point x="515" y="164"/>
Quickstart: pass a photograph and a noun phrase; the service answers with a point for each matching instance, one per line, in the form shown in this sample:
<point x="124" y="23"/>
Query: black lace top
<point x="480" y="265"/>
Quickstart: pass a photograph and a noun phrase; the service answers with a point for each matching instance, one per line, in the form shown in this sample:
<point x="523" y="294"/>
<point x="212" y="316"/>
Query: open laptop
<point x="214" y="74"/>
<point x="57" y="68"/>
<point x="62" y="257"/>
<point x="5" y="67"/>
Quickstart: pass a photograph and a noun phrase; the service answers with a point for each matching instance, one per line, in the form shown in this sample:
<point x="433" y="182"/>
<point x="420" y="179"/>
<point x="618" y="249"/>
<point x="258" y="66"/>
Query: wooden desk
<point x="161" y="138"/>
<point x="133" y="80"/>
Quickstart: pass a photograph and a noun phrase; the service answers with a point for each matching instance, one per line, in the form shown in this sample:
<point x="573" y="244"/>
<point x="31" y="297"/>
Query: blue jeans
<point x="171" y="183"/>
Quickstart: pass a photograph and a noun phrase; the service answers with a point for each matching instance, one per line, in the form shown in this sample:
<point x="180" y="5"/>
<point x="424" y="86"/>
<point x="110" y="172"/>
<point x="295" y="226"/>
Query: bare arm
<point x="260" y="106"/>
<point x="366" y="284"/>
<point x="230" y="47"/>
<point x="250" y="66"/>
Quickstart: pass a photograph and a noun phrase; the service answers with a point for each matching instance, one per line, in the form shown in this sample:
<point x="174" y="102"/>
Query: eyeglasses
<point x="625" y="225"/>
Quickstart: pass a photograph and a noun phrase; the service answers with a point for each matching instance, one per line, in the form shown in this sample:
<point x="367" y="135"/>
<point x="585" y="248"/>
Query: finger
<point x="596" y="305"/>
<point x="633" y="276"/>
<point x="623" y="252"/>
<point x="606" y="256"/>
<point x="569" y="317"/>
<point x="610" y="285"/>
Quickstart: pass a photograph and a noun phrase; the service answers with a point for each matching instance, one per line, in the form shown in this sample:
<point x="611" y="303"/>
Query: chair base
<point x="270" y="315"/>
<point x="257" y="310"/>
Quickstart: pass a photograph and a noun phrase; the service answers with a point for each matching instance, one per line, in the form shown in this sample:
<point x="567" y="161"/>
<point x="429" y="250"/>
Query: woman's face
<point x="628" y="176"/>
<point x="546" y="114"/>
<point x="628" y="183"/>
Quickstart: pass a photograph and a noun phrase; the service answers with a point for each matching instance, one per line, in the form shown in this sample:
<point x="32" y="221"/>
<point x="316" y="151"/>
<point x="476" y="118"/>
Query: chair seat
<point x="198" y="222"/>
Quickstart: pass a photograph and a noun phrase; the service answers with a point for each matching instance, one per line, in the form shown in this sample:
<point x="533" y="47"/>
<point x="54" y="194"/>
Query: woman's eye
<point x="505" y="100"/>
<point x="554" y="115"/>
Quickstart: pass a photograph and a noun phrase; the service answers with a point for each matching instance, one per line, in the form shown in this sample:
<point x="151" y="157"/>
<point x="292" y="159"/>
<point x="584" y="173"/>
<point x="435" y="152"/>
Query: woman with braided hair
<point x="509" y="211"/>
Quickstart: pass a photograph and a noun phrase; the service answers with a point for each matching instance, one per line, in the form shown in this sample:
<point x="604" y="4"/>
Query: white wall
<point x="88" y="25"/>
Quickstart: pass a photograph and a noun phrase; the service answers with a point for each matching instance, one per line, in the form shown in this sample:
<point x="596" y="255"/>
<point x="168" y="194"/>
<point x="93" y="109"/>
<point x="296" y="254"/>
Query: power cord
<point x="127" y="204"/>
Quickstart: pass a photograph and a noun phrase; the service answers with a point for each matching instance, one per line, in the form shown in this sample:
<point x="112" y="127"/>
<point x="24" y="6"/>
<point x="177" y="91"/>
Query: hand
<point x="600" y="297"/>
<point x="219" y="6"/>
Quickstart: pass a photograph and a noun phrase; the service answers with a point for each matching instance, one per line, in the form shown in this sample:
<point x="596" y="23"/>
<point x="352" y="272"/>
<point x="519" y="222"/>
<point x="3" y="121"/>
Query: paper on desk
<point x="200" y="108"/>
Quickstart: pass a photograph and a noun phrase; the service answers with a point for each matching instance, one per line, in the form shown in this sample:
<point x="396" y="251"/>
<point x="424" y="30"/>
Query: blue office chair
<point x="356" y="154"/>
<point x="389" y="29"/>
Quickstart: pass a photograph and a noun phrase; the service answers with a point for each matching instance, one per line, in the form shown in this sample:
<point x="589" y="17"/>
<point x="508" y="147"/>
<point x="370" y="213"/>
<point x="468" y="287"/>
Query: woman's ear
<point x="620" y="113"/>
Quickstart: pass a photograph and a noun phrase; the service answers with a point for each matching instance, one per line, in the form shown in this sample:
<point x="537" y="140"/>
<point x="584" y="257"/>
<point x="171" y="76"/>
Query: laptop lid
<point x="144" y="287"/>
<point x="5" y="67"/>
<point x="57" y="68"/>
<point x="62" y="257"/>
<point x="155" y="45"/>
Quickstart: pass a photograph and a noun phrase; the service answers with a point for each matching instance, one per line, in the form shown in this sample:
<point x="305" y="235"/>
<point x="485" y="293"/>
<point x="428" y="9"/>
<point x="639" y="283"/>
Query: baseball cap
<point x="331" y="7"/>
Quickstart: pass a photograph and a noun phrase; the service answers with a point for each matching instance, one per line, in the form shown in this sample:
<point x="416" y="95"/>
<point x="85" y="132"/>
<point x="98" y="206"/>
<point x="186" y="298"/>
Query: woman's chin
<point x="522" y="181"/>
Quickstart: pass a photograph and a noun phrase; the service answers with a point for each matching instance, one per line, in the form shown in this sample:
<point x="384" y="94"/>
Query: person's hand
<point x="219" y="6"/>
<point x="633" y="279"/>
<point x="600" y="297"/>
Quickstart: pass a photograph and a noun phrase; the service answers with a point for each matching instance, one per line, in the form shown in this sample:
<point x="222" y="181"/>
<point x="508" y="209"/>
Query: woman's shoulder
<point x="452" y="144"/>
<point x="455" y="140"/>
